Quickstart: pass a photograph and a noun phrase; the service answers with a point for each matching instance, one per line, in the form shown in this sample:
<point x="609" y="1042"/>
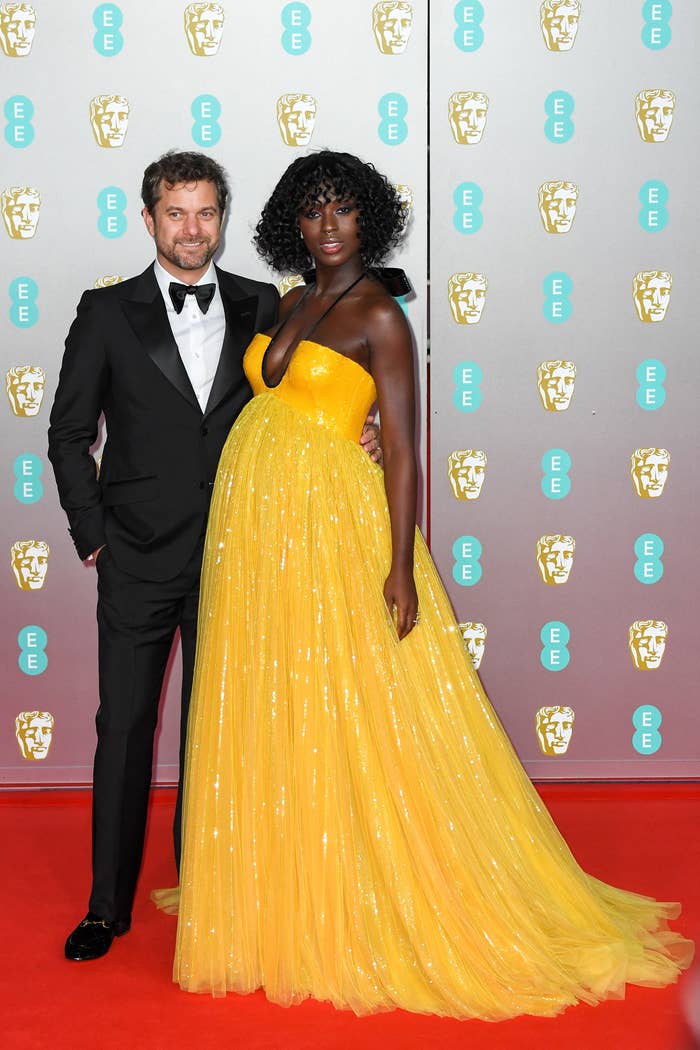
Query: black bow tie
<point x="203" y="292"/>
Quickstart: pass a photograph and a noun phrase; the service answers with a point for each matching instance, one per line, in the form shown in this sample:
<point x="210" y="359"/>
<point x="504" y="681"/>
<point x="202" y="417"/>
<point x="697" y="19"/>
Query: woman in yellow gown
<point x="357" y="825"/>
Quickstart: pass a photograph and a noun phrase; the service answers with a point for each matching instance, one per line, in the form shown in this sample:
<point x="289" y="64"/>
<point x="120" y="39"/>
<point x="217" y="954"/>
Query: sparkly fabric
<point x="358" y="827"/>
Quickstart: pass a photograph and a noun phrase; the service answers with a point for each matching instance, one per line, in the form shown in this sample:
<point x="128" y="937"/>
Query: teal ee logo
<point x="466" y="552"/>
<point x="654" y="197"/>
<point x="556" y="464"/>
<point x="23" y="292"/>
<point x="108" y="19"/>
<point x="646" y="721"/>
<point x="469" y="14"/>
<point x="19" y="131"/>
<point x="559" y="127"/>
<point x="648" y="567"/>
<point x="557" y="288"/>
<point x="467" y="396"/>
<point x="651" y="375"/>
<point x="656" y="32"/>
<point x="206" y="110"/>
<point x="468" y="198"/>
<point x="296" y="38"/>
<point x="28" y="469"/>
<point x="393" y="129"/>
<point x="32" y="641"/>
<point x="112" y="221"/>
<point x="555" y="638"/>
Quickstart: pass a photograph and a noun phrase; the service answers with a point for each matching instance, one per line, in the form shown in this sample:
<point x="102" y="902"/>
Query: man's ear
<point x="148" y="220"/>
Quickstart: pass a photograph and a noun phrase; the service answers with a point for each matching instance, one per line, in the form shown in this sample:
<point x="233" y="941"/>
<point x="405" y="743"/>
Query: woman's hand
<point x="402" y="600"/>
<point x="371" y="440"/>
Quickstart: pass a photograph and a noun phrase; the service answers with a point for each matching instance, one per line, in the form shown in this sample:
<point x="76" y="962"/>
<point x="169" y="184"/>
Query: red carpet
<point x="642" y="837"/>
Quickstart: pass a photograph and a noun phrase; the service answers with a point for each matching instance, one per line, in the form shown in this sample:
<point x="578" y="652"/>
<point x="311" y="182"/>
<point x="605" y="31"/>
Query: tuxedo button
<point x="204" y="431"/>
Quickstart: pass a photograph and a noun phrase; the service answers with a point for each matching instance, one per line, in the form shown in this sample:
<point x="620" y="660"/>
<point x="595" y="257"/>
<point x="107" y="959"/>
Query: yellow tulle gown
<point x="357" y="825"/>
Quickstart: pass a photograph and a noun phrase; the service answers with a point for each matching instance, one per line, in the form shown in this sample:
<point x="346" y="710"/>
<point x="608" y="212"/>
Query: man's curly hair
<point x="321" y="177"/>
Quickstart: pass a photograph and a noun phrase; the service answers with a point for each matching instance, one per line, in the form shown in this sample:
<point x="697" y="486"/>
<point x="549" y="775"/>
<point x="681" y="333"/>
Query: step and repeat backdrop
<point x="560" y="190"/>
<point x="564" y="371"/>
<point x="91" y="93"/>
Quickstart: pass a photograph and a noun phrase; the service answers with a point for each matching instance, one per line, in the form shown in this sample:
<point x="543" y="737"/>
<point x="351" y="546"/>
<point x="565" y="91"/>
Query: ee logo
<point x="557" y="288"/>
<point x="648" y="567"/>
<point x="469" y="14"/>
<point x="556" y="464"/>
<point x="23" y="293"/>
<point x="468" y="198"/>
<point x="32" y="641"/>
<point x="206" y="130"/>
<point x="112" y="221"/>
<point x="466" y="552"/>
<point x="296" y="38"/>
<point x="393" y="129"/>
<point x="468" y="378"/>
<point x="656" y="32"/>
<point x="19" y="131"/>
<point x="651" y="375"/>
<point x="646" y="721"/>
<point x="555" y="637"/>
<point x="559" y="127"/>
<point x="654" y="197"/>
<point x="108" y="19"/>
<point x="28" y="469"/>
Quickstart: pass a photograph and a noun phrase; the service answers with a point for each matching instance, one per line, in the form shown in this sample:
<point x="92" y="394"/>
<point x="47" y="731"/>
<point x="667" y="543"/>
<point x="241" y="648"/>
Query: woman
<point x="357" y="825"/>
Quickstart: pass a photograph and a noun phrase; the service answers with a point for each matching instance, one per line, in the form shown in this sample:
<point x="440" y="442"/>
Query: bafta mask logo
<point x="296" y="116"/>
<point x="30" y="562"/>
<point x="651" y="291"/>
<point x="559" y="23"/>
<point x="647" y="642"/>
<point x="654" y="112"/>
<point x="555" y="384"/>
<point x="107" y="280"/>
<point x="467" y="112"/>
<point x="25" y="389"/>
<point x="34" y="732"/>
<point x="555" y="558"/>
<point x="20" y="211"/>
<point x="474" y="638"/>
<point x="649" y="469"/>
<point x="204" y="28"/>
<point x="557" y="204"/>
<point x="17" y="28"/>
<point x="109" y="119"/>
<point x="392" y="21"/>
<point x="405" y="194"/>
<point x="555" y="727"/>
<point x="466" y="469"/>
<point x="292" y="280"/>
<point x="467" y="295"/>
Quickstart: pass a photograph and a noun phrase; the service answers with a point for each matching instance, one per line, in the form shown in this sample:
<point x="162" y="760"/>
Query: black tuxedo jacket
<point x="150" y="500"/>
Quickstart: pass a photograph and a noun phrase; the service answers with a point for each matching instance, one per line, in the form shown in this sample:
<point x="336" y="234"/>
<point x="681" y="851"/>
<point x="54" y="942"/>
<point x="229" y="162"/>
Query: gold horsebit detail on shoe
<point x="97" y="922"/>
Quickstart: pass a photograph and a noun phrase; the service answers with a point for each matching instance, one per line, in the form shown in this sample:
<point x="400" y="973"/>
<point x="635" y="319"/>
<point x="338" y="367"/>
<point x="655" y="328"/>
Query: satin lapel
<point x="147" y="316"/>
<point x="240" y="324"/>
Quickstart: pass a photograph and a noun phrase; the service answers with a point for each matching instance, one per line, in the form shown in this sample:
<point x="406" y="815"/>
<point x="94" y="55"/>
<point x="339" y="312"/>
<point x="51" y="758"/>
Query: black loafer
<point x="93" y="937"/>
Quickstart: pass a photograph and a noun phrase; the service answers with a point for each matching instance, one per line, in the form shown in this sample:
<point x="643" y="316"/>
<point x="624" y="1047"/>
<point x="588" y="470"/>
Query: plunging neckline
<point x="310" y="342"/>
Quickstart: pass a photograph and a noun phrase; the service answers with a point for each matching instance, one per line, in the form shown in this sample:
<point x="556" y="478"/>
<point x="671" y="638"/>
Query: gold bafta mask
<point x="474" y="638"/>
<point x="30" y="562"/>
<point x="559" y="23"/>
<point x="296" y="116"/>
<point x="405" y="194"/>
<point x="651" y="291"/>
<point x="20" y="211"/>
<point x="555" y="384"/>
<point x="25" y="389"/>
<point x="107" y="280"/>
<point x="649" y="469"/>
<point x="292" y="280"/>
<point x="654" y="112"/>
<point x="34" y="732"/>
<point x="467" y="112"/>
<point x="467" y="295"/>
<point x="109" y="119"/>
<point x="17" y="28"/>
<point x="466" y="469"/>
<point x="392" y="21"/>
<point x="204" y="28"/>
<point x="555" y="558"/>
<point x="647" y="642"/>
<point x="555" y="727"/>
<point x="557" y="204"/>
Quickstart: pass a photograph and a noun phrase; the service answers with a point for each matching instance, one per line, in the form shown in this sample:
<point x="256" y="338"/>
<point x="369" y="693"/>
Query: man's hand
<point x="93" y="556"/>
<point x="371" y="441"/>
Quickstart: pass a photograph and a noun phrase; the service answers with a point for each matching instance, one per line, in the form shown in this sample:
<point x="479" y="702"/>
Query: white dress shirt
<point x="199" y="336"/>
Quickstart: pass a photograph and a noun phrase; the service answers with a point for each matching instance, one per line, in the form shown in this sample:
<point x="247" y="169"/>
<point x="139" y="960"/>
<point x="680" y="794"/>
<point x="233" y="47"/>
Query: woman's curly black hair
<point x="324" y="176"/>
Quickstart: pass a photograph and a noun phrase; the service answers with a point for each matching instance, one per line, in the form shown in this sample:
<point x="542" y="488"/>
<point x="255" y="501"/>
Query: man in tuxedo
<point x="161" y="355"/>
